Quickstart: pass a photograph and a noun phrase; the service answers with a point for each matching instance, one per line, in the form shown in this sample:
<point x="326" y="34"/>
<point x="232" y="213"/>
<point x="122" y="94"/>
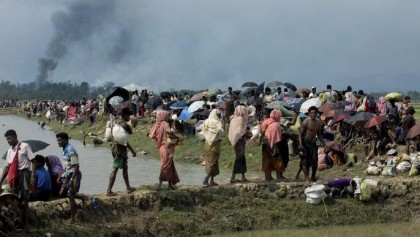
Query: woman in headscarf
<point x="213" y="134"/>
<point x="382" y="107"/>
<point x="159" y="132"/>
<point x="271" y="157"/>
<point x="56" y="169"/>
<point x="238" y="133"/>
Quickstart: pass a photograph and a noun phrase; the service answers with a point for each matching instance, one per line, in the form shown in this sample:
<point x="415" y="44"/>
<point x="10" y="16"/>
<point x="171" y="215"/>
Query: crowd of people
<point x="320" y="125"/>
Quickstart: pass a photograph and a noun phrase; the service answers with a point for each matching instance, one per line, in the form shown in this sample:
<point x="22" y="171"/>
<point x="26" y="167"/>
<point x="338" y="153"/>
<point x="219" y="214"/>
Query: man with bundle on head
<point x="18" y="168"/>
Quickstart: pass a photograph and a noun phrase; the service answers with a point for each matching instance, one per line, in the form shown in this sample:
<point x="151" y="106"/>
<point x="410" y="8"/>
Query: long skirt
<point x="212" y="158"/>
<point x="240" y="163"/>
<point x="271" y="161"/>
<point x="167" y="166"/>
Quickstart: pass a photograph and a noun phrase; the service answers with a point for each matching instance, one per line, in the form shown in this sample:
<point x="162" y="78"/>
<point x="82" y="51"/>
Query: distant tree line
<point x="70" y="91"/>
<point x="51" y="90"/>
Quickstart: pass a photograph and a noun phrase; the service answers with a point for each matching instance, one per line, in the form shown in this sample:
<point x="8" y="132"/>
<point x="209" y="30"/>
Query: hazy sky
<point x="197" y="44"/>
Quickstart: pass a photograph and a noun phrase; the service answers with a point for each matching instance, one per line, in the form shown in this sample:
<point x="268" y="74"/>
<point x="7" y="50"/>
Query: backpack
<point x="370" y="104"/>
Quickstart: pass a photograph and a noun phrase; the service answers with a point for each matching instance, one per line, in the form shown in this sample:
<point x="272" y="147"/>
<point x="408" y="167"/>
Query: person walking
<point x="17" y="169"/>
<point x="309" y="132"/>
<point x="213" y="134"/>
<point x="238" y="133"/>
<point x="159" y="132"/>
<point x="72" y="176"/>
<point x="120" y="154"/>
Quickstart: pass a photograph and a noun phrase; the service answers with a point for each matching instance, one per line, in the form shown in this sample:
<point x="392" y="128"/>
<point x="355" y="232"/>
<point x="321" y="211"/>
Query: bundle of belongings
<point x="393" y="164"/>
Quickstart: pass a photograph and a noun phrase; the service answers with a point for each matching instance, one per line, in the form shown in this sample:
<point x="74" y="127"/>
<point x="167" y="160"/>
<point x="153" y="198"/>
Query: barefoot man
<point x="310" y="129"/>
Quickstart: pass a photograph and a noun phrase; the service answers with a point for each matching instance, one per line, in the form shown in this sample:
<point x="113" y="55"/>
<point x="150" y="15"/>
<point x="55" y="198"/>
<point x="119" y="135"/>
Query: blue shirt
<point x="43" y="179"/>
<point x="70" y="158"/>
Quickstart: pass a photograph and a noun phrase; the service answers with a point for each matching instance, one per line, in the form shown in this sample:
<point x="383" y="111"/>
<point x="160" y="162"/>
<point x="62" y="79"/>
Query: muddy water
<point x="96" y="162"/>
<point x="372" y="230"/>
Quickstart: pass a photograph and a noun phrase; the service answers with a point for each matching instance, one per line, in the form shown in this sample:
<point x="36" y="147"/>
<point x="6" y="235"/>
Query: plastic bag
<point x="389" y="170"/>
<point x="413" y="170"/>
<point x="404" y="166"/>
<point x="120" y="135"/>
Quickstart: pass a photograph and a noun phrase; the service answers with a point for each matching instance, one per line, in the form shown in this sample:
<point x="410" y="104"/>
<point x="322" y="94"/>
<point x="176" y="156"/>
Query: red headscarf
<point x="157" y="132"/>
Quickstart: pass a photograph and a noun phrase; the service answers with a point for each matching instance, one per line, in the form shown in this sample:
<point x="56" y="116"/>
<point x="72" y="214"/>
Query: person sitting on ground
<point x="42" y="180"/>
<point x="324" y="160"/>
<point x="56" y="169"/>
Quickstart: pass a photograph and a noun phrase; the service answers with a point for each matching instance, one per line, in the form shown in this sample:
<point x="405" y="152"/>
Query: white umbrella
<point x="195" y="106"/>
<point x="309" y="103"/>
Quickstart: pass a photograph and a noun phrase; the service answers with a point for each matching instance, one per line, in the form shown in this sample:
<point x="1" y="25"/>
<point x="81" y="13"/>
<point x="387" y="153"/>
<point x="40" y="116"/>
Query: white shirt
<point x="25" y="156"/>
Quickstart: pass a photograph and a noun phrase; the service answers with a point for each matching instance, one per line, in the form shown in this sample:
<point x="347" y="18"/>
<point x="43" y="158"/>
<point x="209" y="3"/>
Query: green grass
<point x="417" y="109"/>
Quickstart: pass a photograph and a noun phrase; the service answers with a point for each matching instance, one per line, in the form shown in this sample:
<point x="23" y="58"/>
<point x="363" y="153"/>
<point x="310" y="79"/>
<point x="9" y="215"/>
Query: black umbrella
<point x="118" y="92"/>
<point x="290" y="86"/>
<point x="249" y="84"/>
<point x="168" y="105"/>
<point x="166" y="94"/>
<point x="154" y="102"/>
<point x="35" y="145"/>
<point x="340" y="104"/>
<point x="294" y="104"/>
<point x="274" y="84"/>
<point x="359" y="117"/>
<point x="260" y="88"/>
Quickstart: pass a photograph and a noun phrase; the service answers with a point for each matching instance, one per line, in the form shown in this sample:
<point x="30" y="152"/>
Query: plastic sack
<point x="120" y="135"/>
<point x="373" y="170"/>
<point x="315" y="194"/>
<point x="413" y="170"/>
<point x="108" y="135"/>
<point x="389" y="170"/>
<point x="367" y="187"/>
<point x="404" y="166"/>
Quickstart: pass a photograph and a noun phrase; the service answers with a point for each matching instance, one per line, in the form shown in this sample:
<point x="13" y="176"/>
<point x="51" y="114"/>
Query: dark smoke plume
<point x="77" y="23"/>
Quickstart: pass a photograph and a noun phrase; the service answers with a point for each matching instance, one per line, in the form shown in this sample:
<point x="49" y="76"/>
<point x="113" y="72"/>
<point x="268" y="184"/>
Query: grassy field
<point x="417" y="109"/>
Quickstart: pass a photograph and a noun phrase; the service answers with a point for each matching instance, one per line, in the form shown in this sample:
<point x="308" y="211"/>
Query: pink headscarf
<point x="382" y="108"/>
<point x="271" y="128"/>
<point x="238" y="124"/>
<point x="157" y="132"/>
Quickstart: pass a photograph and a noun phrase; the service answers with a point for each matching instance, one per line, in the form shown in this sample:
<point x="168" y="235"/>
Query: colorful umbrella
<point x="325" y="108"/>
<point x="340" y="117"/>
<point x="376" y="121"/>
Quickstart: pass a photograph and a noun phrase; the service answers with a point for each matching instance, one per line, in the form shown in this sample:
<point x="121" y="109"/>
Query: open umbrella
<point x="290" y="86"/>
<point x="260" y="88"/>
<point x="166" y="94"/>
<point x="178" y="105"/>
<point x="249" y="84"/>
<point x="294" y="104"/>
<point x="185" y="115"/>
<point x="309" y="103"/>
<point x="413" y="132"/>
<point x="117" y="98"/>
<point x="274" y="84"/>
<point x="155" y="102"/>
<point x="35" y="145"/>
<point x="376" y="121"/>
<point x="197" y="96"/>
<point x="340" y="104"/>
<point x="359" y="117"/>
<point x="195" y="106"/>
<point x="325" y="108"/>
<point x="303" y="90"/>
<point x="334" y="146"/>
<point x="340" y="117"/>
